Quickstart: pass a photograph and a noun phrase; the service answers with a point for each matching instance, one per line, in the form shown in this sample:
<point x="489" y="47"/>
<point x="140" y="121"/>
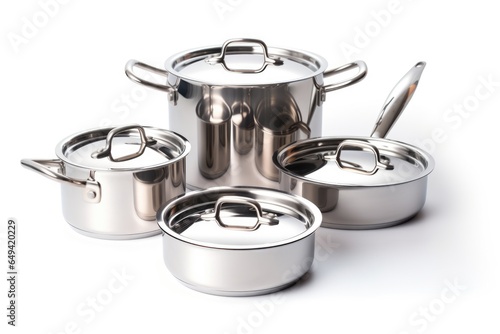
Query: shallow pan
<point x="238" y="241"/>
<point x="361" y="182"/>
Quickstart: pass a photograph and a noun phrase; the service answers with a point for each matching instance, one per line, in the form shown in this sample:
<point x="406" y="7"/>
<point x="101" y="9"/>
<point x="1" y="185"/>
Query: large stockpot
<point x="361" y="182"/>
<point x="238" y="241"/>
<point x="273" y="96"/>
<point x="113" y="180"/>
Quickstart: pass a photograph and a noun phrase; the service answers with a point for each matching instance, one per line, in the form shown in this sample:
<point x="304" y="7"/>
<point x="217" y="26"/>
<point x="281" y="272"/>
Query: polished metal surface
<point x="238" y="241"/>
<point x="296" y="87"/>
<point x="379" y="162"/>
<point x="278" y="123"/>
<point x="106" y="151"/>
<point x="214" y="131"/>
<point x="110" y="199"/>
<point x="350" y="199"/>
<point x="397" y="100"/>
<point x="262" y="217"/>
<point x="267" y="60"/>
<point x="360" y="182"/>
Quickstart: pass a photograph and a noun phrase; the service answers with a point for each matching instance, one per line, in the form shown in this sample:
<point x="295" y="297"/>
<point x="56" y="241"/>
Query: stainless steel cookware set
<point x="245" y="136"/>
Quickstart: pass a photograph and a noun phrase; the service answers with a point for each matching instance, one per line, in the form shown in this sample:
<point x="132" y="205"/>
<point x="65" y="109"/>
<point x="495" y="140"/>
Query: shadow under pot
<point x="113" y="180"/>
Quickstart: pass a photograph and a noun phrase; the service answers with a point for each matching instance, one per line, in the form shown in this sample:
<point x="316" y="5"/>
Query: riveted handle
<point x="106" y="150"/>
<point x="263" y="218"/>
<point x="380" y="162"/>
<point x="51" y="168"/>
<point x="268" y="60"/>
<point x="132" y="75"/>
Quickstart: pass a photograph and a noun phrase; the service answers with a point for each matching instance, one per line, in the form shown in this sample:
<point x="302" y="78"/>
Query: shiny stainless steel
<point x="398" y="98"/>
<point x="389" y="192"/>
<point x="278" y="122"/>
<point x="350" y="200"/>
<point x="262" y="217"/>
<point x="112" y="198"/>
<point x="345" y="165"/>
<point x="51" y="169"/>
<point x="243" y="127"/>
<point x="261" y="241"/>
<point x="220" y="59"/>
<point x="214" y="131"/>
<point x="106" y="151"/>
<point x="300" y="78"/>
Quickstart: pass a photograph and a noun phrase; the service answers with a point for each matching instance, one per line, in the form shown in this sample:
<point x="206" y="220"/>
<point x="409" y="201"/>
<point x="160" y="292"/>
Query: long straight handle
<point x="48" y="168"/>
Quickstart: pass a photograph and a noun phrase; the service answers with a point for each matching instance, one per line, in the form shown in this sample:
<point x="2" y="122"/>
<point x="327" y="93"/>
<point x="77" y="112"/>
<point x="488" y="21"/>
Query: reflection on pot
<point x="325" y="198"/>
<point x="278" y="123"/>
<point x="214" y="151"/>
<point x="152" y="188"/>
<point x="243" y="127"/>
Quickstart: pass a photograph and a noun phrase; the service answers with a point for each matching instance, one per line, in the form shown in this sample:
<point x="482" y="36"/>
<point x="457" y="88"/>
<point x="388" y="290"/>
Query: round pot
<point x="238" y="241"/>
<point x="246" y="77"/>
<point x="113" y="180"/>
<point x="361" y="182"/>
<point x="357" y="182"/>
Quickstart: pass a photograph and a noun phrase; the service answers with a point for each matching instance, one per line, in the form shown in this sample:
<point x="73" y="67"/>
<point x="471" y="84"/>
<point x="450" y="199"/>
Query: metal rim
<point x="279" y="155"/>
<point x="74" y="139"/>
<point x="277" y="195"/>
<point x="197" y="54"/>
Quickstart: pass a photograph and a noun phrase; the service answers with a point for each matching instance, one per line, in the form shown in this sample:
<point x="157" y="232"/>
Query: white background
<point x="67" y="75"/>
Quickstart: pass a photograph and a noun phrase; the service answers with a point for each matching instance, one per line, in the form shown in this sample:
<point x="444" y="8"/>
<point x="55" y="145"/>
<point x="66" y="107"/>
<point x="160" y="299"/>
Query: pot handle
<point x="380" y="161"/>
<point x="362" y="70"/>
<point x="129" y="71"/>
<point x="268" y="60"/>
<point x="262" y="217"/>
<point x="50" y="169"/>
<point x="106" y="150"/>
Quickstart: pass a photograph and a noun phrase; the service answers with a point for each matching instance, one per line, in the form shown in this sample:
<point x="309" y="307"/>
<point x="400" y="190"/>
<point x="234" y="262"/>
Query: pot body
<point x="359" y="208"/>
<point x="128" y="200"/>
<point x="357" y="182"/>
<point x="107" y="192"/>
<point x="238" y="241"/>
<point x="284" y="95"/>
<point x="238" y="149"/>
<point x="244" y="272"/>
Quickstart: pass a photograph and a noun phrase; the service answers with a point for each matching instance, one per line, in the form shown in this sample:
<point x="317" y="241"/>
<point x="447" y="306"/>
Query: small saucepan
<point x="113" y="180"/>
<point x="361" y="182"/>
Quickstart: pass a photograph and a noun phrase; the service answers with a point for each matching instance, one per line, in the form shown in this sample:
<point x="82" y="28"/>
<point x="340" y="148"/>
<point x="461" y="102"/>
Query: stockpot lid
<point x="239" y="218"/>
<point x="353" y="162"/>
<point x="245" y="62"/>
<point x="124" y="148"/>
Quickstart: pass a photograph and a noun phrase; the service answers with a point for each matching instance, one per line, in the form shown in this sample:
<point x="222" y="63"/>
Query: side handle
<point x="361" y="73"/>
<point x="52" y="169"/>
<point x="132" y="75"/>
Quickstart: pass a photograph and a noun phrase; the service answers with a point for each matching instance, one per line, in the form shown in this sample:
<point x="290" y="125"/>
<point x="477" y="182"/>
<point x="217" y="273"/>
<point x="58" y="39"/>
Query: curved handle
<point x="397" y="100"/>
<point x="129" y="71"/>
<point x="220" y="59"/>
<point x="362" y="70"/>
<point x="262" y="217"/>
<point x="106" y="150"/>
<point x="50" y="169"/>
<point x="380" y="162"/>
<point x="303" y="127"/>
